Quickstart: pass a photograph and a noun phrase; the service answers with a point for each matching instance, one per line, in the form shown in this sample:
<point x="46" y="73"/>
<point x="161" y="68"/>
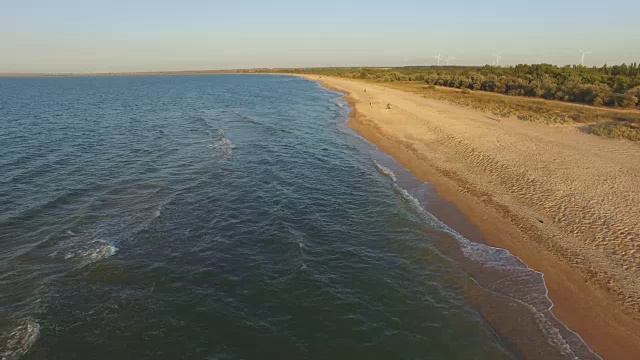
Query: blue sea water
<point x="236" y="217"/>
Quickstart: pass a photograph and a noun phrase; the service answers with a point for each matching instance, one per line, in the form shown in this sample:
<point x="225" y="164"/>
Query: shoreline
<point x="592" y="313"/>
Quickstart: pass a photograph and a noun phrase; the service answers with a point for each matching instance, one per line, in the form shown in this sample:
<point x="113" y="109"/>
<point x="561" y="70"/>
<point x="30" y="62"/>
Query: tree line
<point x="616" y="86"/>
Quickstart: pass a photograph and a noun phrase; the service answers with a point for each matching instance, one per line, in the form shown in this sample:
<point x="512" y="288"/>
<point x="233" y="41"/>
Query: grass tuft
<point x="616" y="131"/>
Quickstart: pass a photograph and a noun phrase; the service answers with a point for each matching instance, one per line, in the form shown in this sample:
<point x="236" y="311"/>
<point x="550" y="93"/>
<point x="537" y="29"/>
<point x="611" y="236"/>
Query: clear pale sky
<point x="140" y="35"/>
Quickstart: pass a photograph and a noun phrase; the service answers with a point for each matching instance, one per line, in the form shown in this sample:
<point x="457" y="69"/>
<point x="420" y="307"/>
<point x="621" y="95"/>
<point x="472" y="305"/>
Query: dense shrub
<point x="605" y="86"/>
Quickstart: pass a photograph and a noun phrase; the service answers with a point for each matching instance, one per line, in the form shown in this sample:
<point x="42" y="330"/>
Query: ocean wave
<point x="82" y="253"/>
<point x="385" y="171"/>
<point x="18" y="342"/>
<point x="243" y="116"/>
<point x="157" y="212"/>
<point x="509" y="276"/>
<point x="201" y="121"/>
<point x="223" y="148"/>
<point x="143" y="222"/>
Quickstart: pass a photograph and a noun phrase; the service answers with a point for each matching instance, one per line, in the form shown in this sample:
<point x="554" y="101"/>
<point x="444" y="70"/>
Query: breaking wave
<point x="505" y="274"/>
<point x="83" y="253"/>
<point x="385" y="171"/>
<point x="223" y="148"/>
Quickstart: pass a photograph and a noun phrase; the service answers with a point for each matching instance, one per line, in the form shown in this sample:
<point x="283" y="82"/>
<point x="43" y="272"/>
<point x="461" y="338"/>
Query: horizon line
<point x="257" y="70"/>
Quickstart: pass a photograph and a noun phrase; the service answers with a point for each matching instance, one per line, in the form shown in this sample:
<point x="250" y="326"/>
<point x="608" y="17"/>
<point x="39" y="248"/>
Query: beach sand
<point x="565" y="202"/>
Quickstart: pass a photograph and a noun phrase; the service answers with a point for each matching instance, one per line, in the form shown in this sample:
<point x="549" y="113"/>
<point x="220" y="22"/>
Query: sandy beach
<point x="563" y="201"/>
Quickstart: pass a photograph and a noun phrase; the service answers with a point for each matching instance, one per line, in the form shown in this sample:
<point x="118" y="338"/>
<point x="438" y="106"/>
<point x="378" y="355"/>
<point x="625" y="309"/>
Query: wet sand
<point x="565" y="202"/>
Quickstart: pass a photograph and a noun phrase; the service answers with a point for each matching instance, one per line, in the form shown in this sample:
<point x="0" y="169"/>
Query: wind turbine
<point x="439" y="57"/>
<point x="498" y="57"/>
<point x="583" y="54"/>
<point x="449" y="59"/>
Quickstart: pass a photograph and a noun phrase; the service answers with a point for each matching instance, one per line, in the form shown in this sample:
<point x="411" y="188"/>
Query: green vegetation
<point x="612" y="92"/>
<point x="615" y="130"/>
<point x="616" y="86"/>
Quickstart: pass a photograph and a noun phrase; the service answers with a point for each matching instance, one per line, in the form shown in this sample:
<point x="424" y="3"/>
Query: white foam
<point x="519" y="282"/>
<point x="157" y="212"/>
<point x="385" y="171"/>
<point x="82" y="253"/>
<point x="102" y="250"/>
<point x="20" y="340"/>
<point x="552" y="333"/>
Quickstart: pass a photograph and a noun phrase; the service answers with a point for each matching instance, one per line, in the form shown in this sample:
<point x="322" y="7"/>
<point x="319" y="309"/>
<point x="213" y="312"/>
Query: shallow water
<point x="235" y="217"/>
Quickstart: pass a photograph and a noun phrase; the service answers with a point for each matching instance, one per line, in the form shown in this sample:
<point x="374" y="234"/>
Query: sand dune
<point x="566" y="202"/>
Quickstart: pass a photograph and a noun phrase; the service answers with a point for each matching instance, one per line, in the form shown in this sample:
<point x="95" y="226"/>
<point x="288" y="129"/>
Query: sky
<point x="146" y="35"/>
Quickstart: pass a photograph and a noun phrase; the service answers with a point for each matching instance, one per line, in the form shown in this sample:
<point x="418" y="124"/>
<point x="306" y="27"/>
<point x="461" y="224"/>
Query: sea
<point x="238" y="217"/>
